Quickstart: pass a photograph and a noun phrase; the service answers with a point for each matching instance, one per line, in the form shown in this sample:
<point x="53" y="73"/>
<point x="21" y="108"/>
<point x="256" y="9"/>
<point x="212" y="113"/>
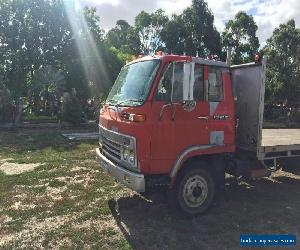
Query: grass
<point x="68" y="202"/>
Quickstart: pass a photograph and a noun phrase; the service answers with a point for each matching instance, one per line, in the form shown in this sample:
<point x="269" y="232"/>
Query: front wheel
<point x="194" y="191"/>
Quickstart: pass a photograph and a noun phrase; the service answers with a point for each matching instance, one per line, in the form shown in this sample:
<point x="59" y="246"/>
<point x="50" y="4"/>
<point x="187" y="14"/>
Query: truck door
<point x="190" y="126"/>
<point x="249" y="89"/>
<point x="174" y="129"/>
<point x="161" y="113"/>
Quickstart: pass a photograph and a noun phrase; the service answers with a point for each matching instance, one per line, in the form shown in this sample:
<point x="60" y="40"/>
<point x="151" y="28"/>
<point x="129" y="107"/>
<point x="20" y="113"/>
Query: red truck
<point x="181" y="122"/>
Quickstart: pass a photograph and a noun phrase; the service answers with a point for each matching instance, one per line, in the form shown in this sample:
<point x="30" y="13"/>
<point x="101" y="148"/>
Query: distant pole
<point x="228" y="59"/>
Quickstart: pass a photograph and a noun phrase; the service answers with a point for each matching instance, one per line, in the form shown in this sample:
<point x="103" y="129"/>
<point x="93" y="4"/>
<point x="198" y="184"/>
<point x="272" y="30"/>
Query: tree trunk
<point x="19" y="111"/>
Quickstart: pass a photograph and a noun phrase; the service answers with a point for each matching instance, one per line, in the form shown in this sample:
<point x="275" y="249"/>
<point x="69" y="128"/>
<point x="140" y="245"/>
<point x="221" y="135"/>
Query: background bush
<point x="6" y="105"/>
<point x="72" y="111"/>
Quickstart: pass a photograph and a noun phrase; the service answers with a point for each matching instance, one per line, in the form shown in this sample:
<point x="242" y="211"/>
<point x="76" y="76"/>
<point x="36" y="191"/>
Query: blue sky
<point x="268" y="14"/>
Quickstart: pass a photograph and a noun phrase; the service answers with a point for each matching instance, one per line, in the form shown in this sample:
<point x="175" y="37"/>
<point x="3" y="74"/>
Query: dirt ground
<point x="57" y="197"/>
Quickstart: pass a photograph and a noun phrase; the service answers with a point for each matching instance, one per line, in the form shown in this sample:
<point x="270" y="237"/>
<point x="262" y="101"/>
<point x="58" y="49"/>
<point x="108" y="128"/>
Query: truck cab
<point x="164" y="116"/>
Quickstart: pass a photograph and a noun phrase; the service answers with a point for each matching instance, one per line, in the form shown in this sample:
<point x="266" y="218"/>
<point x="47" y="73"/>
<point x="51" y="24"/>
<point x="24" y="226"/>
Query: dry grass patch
<point x="11" y="168"/>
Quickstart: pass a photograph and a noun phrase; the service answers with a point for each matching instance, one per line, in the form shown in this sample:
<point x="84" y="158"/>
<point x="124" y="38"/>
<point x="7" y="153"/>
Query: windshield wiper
<point x="128" y="100"/>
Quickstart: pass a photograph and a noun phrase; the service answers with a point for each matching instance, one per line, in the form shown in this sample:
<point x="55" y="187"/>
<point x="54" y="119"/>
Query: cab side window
<point x="164" y="90"/>
<point x="198" y="83"/>
<point x="215" y="84"/>
<point x="178" y="83"/>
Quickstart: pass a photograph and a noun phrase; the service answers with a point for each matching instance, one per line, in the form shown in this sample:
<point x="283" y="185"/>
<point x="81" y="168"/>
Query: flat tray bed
<point x="277" y="137"/>
<point x="278" y="143"/>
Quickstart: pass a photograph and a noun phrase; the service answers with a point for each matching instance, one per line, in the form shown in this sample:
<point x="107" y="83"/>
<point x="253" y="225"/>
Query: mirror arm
<point x="173" y="112"/>
<point x="162" y="110"/>
<point x="174" y="109"/>
<point x="173" y="105"/>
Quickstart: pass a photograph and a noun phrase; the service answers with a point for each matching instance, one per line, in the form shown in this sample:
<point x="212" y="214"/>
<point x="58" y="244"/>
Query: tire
<point x="194" y="192"/>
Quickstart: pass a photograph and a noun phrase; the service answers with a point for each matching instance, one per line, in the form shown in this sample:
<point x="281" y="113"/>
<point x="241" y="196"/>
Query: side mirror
<point x="188" y="81"/>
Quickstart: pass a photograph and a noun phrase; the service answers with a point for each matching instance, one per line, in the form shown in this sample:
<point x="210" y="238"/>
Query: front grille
<point x="112" y="144"/>
<point x="111" y="148"/>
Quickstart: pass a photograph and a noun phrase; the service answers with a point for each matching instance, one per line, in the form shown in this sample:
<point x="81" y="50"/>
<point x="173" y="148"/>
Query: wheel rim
<point x="195" y="191"/>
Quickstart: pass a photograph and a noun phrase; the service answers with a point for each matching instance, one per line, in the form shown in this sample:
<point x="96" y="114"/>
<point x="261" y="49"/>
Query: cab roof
<point x="181" y="57"/>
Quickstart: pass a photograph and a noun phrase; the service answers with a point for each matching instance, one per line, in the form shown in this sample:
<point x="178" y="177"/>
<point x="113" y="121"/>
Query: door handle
<point x="203" y="117"/>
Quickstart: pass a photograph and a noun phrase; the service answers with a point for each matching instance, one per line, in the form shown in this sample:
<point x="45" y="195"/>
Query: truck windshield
<point x="133" y="84"/>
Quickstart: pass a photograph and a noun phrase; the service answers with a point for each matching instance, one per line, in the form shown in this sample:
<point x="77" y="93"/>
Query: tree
<point x="6" y="105"/>
<point x="39" y="34"/>
<point x="149" y="28"/>
<point x="83" y="56"/>
<point x="204" y="37"/>
<point x="31" y="35"/>
<point x="45" y="90"/>
<point x="283" y="71"/>
<point x="193" y="32"/>
<point x="29" y="40"/>
<point x="133" y="45"/>
<point x="174" y="34"/>
<point x="240" y="35"/>
<point x="117" y="36"/>
<point x="124" y="38"/>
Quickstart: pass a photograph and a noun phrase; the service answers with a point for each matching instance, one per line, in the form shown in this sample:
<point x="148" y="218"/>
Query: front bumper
<point x="130" y="179"/>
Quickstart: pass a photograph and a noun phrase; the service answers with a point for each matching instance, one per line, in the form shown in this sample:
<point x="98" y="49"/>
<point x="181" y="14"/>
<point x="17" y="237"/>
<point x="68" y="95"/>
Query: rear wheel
<point x="194" y="191"/>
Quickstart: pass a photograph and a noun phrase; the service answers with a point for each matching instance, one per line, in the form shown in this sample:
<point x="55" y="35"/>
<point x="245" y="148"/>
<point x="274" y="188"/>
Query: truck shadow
<point x="269" y="205"/>
<point x="292" y="165"/>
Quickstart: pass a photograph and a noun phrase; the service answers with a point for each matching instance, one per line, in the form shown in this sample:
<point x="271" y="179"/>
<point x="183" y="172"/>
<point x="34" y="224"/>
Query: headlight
<point x="131" y="157"/>
<point x="126" y="153"/>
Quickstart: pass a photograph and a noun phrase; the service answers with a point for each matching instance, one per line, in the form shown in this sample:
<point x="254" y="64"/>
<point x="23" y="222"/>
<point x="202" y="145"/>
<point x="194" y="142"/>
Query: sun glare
<point x="91" y="59"/>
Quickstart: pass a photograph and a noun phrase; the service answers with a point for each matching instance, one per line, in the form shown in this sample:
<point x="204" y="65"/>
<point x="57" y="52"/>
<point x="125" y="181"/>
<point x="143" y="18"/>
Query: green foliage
<point x="72" y="110"/>
<point x="6" y="104"/>
<point x="117" y="36"/>
<point x="193" y="32"/>
<point x="45" y="90"/>
<point x="90" y="26"/>
<point x="294" y="115"/>
<point x="149" y="28"/>
<point x="84" y="58"/>
<point x="203" y="36"/>
<point x="283" y="71"/>
<point x="53" y="34"/>
<point x="28" y="41"/>
<point x="123" y="57"/>
<point x="174" y="35"/>
<point x="240" y="35"/>
<point x="124" y="38"/>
